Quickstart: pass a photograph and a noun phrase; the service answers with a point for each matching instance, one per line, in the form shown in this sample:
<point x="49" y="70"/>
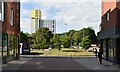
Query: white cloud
<point x="25" y="25"/>
<point x="25" y="13"/>
<point x="60" y="0"/>
<point x="81" y="14"/>
<point x="77" y="15"/>
<point x="44" y="13"/>
<point x="24" y="1"/>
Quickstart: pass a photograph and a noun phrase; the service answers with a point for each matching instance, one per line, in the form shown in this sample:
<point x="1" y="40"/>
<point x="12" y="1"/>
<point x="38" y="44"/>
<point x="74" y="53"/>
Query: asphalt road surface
<point x="52" y="64"/>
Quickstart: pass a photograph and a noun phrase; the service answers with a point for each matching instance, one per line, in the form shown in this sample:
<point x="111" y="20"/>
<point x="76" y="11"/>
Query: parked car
<point x="90" y="49"/>
<point x="26" y="48"/>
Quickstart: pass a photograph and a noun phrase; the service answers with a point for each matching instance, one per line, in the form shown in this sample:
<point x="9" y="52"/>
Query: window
<point x="1" y="11"/>
<point x="53" y="26"/>
<point x="108" y="16"/>
<point x="4" y="44"/>
<point x="53" y="22"/>
<point x="0" y="7"/>
<point x="18" y="6"/>
<point x="53" y="30"/>
<point x="0" y="44"/>
<point x="12" y="17"/>
<point x="36" y="13"/>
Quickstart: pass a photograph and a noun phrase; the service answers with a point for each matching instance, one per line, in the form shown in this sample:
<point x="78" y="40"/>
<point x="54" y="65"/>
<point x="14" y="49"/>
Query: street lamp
<point x="66" y="26"/>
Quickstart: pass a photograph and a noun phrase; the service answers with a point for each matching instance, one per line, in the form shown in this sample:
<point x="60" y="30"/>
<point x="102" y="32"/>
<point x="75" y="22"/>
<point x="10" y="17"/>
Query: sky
<point x="77" y="14"/>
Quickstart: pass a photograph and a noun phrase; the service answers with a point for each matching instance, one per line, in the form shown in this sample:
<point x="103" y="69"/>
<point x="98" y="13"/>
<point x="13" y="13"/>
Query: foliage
<point x="89" y="32"/>
<point x="71" y="35"/>
<point x="42" y="38"/>
<point x="75" y="37"/>
<point x="65" y="41"/>
<point x="86" y="42"/>
<point x="23" y="37"/>
<point x="28" y="35"/>
<point x="56" y="41"/>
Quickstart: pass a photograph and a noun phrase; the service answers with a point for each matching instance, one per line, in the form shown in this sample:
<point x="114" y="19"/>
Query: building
<point x="51" y="24"/>
<point x="9" y="30"/>
<point x="109" y="35"/>
<point x="35" y="20"/>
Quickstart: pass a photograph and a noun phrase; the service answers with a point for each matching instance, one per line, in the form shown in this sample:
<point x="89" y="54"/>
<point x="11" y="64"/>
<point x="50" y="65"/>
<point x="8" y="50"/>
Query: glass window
<point x="0" y="7"/>
<point x="104" y="48"/>
<point x="110" y="49"/>
<point x="53" y="30"/>
<point x="18" y="6"/>
<point x="1" y="10"/>
<point x="0" y="44"/>
<point x="108" y="16"/>
<point x="12" y="17"/>
<point x="11" y="45"/>
<point x="53" y="26"/>
<point x="0" y="50"/>
<point x="5" y="40"/>
<point x="16" y="44"/>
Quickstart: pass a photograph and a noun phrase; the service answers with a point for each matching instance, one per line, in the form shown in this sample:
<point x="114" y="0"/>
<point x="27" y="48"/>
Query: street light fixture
<point x="66" y="26"/>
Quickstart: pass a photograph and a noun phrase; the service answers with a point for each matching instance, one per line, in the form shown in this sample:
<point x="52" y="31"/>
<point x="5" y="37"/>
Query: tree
<point x="90" y="33"/>
<point x="65" y="41"/>
<point x="42" y="38"/>
<point x="71" y="35"/>
<point x="76" y="38"/>
<point x="23" y="37"/>
<point x="86" y="42"/>
<point x="28" y="35"/>
<point x="56" y="41"/>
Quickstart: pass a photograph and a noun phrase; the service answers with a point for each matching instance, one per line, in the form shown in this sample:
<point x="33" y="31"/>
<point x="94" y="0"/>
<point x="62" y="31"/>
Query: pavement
<point x="35" y="62"/>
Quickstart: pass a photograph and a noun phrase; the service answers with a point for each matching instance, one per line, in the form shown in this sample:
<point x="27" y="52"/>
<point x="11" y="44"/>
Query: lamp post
<point x="66" y="26"/>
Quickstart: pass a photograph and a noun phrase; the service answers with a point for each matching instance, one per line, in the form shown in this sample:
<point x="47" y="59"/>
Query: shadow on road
<point x="33" y="53"/>
<point x="69" y="57"/>
<point x="71" y="51"/>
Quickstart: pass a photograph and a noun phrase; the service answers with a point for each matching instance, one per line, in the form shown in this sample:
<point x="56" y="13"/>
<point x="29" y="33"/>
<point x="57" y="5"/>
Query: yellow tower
<point x="35" y="20"/>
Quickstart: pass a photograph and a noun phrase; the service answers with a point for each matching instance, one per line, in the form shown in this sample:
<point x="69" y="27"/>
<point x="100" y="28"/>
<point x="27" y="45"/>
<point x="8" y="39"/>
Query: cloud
<point x="60" y="0"/>
<point x="79" y="15"/>
<point x="25" y="25"/>
<point x="76" y="14"/>
<point x="25" y="13"/>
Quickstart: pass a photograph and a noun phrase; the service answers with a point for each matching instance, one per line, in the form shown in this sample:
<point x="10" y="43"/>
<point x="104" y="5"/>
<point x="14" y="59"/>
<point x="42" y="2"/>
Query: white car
<point x="90" y="49"/>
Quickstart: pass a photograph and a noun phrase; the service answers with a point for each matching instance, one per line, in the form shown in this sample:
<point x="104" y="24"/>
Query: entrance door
<point x="118" y="51"/>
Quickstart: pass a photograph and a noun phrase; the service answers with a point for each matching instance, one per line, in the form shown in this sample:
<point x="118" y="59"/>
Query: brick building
<point x="109" y="35"/>
<point x="10" y="29"/>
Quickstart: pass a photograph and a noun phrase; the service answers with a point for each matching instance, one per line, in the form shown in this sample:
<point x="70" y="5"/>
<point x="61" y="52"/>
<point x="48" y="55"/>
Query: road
<point x="43" y="64"/>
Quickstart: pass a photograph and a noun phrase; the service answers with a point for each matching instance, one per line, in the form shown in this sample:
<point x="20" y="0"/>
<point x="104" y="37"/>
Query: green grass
<point x="64" y="52"/>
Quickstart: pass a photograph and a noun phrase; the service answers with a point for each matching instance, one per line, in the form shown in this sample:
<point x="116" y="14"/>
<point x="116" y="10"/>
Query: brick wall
<point x="111" y="7"/>
<point x="7" y="28"/>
